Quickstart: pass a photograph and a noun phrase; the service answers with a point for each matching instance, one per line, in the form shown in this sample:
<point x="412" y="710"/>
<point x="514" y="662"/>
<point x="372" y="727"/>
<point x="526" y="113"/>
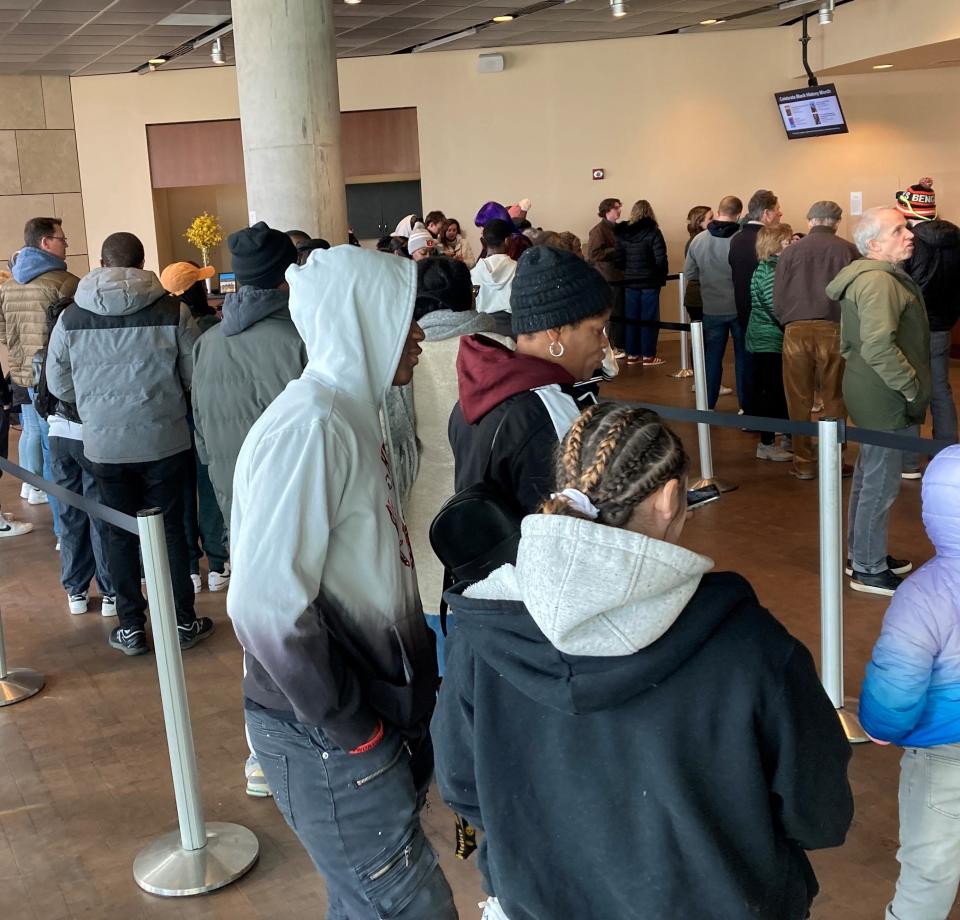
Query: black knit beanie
<point x="261" y="255"/>
<point x="553" y="287"/>
<point x="442" y="284"/>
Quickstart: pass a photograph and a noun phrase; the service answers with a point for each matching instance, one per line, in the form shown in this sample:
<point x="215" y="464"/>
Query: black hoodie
<point x="935" y="266"/>
<point x="680" y="782"/>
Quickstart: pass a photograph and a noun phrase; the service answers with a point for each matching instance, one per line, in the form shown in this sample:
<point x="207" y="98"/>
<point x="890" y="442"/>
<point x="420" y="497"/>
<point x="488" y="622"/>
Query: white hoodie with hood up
<point x="323" y="594"/>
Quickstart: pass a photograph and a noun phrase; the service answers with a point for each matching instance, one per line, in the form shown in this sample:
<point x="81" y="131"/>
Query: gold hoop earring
<point x="556" y="354"/>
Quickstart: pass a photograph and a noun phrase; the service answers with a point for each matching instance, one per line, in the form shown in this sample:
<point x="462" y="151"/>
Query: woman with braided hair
<point x="637" y="737"/>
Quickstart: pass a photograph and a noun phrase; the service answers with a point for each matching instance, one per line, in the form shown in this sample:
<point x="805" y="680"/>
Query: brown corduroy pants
<point x="811" y="357"/>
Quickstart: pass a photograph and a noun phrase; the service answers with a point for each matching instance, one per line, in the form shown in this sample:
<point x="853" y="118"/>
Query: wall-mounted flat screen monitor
<point x="811" y="112"/>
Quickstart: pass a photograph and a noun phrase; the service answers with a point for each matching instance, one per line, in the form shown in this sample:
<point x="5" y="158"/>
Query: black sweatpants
<point x="133" y="487"/>
<point x="766" y="390"/>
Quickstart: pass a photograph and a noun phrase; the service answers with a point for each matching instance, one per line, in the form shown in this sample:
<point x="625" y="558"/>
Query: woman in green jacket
<point x="765" y="340"/>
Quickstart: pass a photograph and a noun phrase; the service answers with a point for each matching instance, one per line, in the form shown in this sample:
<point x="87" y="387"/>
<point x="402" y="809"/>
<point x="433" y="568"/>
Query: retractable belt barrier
<point x="200" y="856"/>
<point x="832" y="434"/>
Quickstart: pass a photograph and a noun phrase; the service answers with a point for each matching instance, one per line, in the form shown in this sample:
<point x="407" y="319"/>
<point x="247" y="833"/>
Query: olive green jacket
<point x="885" y="339"/>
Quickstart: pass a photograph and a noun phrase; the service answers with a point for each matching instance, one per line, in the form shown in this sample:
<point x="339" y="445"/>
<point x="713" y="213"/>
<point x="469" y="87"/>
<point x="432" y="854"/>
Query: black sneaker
<point x="129" y="641"/>
<point x="884" y="582"/>
<point x="201" y="628"/>
<point x="897" y="566"/>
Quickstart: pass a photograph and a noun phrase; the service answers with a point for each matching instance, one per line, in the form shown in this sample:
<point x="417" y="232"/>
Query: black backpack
<point x="44" y="401"/>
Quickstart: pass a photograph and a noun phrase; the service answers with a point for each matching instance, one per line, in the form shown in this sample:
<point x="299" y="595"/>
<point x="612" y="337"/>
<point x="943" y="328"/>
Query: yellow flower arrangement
<point x="204" y="232"/>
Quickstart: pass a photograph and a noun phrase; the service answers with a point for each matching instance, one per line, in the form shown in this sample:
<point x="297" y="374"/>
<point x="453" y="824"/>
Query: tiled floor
<point x="84" y="776"/>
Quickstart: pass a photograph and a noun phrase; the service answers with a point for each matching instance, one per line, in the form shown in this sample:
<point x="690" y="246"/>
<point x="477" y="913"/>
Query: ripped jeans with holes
<point x="358" y="817"/>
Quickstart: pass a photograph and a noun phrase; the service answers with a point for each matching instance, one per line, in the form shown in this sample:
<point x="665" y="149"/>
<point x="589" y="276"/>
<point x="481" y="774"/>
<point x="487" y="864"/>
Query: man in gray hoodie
<point x="123" y="354"/>
<point x="243" y="364"/>
<point x="708" y="262"/>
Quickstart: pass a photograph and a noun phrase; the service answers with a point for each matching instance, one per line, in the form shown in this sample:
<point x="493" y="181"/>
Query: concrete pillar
<point x="290" y="115"/>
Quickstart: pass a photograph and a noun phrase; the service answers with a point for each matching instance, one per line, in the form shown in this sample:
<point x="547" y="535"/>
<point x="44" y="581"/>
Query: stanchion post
<point x="16" y="684"/>
<point x="199" y="857"/>
<point x="831" y="578"/>
<point x="707" y="477"/>
<point x="685" y="372"/>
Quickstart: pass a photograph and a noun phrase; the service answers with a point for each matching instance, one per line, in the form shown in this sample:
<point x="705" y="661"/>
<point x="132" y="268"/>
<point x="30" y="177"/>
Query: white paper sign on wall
<point x="856" y="204"/>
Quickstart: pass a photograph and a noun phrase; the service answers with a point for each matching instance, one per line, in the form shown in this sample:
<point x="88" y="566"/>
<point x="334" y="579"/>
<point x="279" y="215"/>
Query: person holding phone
<point x="610" y="668"/>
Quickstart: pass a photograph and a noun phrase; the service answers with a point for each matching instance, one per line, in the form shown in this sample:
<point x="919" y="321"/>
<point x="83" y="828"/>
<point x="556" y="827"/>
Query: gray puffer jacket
<point x="240" y="367"/>
<point x="123" y="353"/>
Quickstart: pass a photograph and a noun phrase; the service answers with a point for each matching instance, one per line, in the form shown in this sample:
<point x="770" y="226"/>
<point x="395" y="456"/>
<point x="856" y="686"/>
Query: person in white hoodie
<point x="493" y="274"/>
<point x="341" y="671"/>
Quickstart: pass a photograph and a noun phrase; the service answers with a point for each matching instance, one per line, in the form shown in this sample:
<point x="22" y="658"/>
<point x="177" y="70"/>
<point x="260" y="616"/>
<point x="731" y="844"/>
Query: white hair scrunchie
<point x="579" y="502"/>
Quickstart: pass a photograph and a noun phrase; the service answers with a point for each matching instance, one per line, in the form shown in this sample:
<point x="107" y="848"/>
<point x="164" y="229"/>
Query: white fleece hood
<point x="494" y="276"/>
<point x="593" y="589"/>
<point x="353" y="310"/>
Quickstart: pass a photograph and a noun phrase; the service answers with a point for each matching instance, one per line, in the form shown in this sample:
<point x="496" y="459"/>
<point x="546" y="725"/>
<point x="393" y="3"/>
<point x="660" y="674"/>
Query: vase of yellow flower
<point x="205" y="233"/>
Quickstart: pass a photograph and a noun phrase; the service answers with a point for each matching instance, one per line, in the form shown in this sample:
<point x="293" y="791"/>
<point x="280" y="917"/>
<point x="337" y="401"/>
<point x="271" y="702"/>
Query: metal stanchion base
<point x="682" y="374"/>
<point x="721" y="484"/>
<point x="163" y="867"/>
<point x="850" y="721"/>
<point x="19" y="684"/>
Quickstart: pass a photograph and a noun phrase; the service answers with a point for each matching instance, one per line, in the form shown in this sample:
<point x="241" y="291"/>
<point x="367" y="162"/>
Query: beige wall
<point x="39" y="173"/>
<point x="175" y="208"/>
<point x="679" y="120"/>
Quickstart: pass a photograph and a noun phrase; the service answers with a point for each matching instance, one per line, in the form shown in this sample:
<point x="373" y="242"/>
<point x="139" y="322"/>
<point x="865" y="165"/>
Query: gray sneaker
<point x="772" y="452"/>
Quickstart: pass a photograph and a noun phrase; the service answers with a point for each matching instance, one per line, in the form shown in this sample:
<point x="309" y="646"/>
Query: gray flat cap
<point x="825" y="210"/>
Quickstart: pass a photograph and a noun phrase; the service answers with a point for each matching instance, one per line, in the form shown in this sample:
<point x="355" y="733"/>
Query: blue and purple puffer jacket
<point x="911" y="694"/>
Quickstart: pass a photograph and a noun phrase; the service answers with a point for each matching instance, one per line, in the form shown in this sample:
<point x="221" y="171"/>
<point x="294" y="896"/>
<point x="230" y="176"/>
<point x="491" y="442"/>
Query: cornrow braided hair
<point x="617" y="456"/>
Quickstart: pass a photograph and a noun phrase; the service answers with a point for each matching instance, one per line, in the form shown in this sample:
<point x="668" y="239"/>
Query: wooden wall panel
<point x="377" y="144"/>
<point x="380" y="142"/>
<point x="193" y="153"/>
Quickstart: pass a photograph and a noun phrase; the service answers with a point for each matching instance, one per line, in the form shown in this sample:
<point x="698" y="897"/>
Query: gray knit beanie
<point x="552" y="288"/>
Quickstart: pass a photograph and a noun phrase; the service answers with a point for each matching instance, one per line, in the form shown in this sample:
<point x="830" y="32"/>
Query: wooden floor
<point x="84" y="776"/>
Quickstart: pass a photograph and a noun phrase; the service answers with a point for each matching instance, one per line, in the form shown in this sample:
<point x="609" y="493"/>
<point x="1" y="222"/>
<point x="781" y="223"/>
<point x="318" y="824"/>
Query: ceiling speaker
<point x="490" y="63"/>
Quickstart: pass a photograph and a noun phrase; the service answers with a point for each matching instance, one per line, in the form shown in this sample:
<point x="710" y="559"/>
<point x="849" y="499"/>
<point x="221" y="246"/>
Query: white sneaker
<point x="772" y="452"/>
<point x="78" y="602"/>
<point x="38" y="497"/>
<point x="219" y="581"/>
<point x="25" y="489"/>
<point x="197" y="584"/>
<point x="108" y="605"/>
<point x="12" y="528"/>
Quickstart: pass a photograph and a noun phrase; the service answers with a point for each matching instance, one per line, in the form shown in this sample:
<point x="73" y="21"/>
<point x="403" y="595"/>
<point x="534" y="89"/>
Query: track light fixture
<point x="216" y="52"/>
<point x="618" y="8"/>
<point x="826" y="12"/>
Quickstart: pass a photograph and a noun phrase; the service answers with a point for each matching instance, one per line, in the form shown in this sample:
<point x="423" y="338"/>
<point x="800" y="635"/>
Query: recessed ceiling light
<point x="882" y="66"/>
<point x="709" y="22"/>
<point x="351" y="2"/>
<point x="157" y="61"/>
<point x="503" y="18"/>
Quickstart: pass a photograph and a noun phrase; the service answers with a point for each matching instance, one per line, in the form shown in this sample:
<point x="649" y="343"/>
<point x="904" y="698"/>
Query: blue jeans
<point x="81" y="540"/>
<point x="715" y="332"/>
<point x="929" y="853"/>
<point x="876" y="484"/>
<point x="36" y="427"/>
<point x="942" y="407"/>
<point x="358" y="817"/>
<point x="642" y="304"/>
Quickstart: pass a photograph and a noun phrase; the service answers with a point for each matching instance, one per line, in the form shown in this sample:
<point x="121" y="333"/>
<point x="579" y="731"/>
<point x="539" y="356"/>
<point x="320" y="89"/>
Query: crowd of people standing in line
<point x="317" y="438"/>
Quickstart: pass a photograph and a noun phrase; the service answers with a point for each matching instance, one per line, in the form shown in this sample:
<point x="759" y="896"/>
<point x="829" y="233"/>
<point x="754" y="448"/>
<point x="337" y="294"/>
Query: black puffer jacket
<point x="935" y="266"/>
<point x="644" y="254"/>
